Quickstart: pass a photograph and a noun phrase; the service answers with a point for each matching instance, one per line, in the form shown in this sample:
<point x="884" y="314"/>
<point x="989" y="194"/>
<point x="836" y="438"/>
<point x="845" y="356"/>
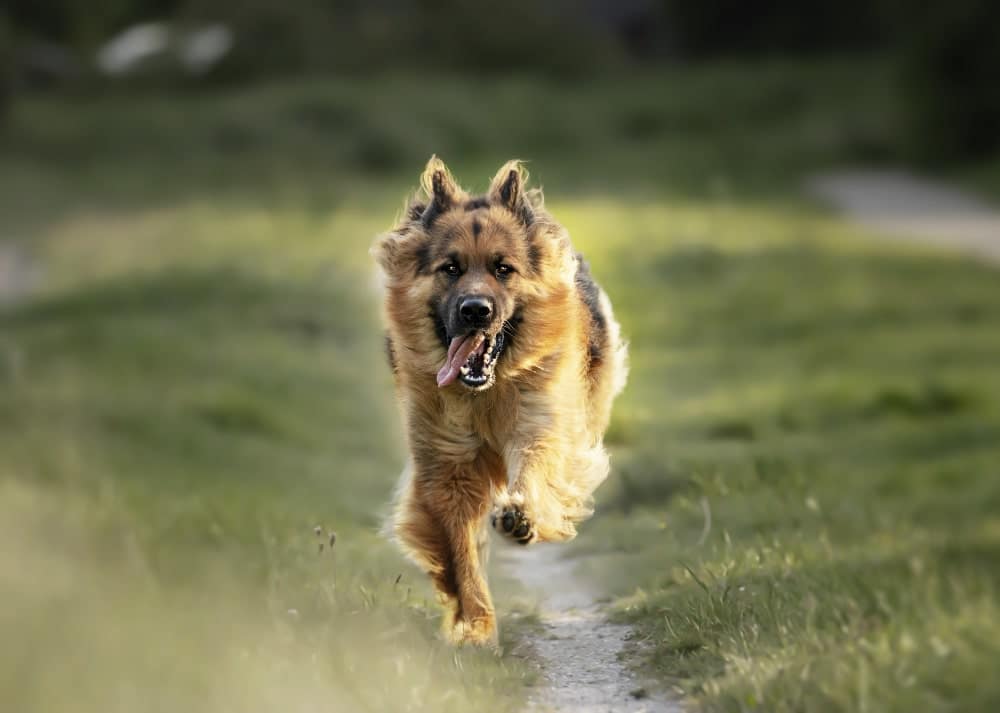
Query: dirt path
<point x="901" y="206"/>
<point x="579" y="649"/>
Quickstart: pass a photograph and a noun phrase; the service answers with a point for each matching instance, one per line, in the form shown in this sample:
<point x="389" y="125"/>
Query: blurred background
<point x="197" y="432"/>
<point x="943" y="58"/>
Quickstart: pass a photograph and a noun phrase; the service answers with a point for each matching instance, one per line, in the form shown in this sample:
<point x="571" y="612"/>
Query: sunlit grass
<point x="197" y="383"/>
<point x="804" y="516"/>
<point x="189" y="394"/>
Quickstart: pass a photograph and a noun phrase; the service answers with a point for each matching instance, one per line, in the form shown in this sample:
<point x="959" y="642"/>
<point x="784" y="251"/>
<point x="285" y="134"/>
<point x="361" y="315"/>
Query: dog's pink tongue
<point x="458" y="352"/>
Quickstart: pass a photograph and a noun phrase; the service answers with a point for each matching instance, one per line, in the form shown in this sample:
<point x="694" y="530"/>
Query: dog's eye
<point x="504" y="270"/>
<point x="451" y="269"/>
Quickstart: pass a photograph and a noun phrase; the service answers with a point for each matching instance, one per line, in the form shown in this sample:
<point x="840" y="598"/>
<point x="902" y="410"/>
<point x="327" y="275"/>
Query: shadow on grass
<point x="199" y="381"/>
<point x="781" y="295"/>
<point x="235" y="299"/>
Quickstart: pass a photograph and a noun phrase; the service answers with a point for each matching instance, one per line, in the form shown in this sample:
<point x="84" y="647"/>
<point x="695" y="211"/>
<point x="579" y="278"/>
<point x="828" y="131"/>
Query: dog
<point x="506" y="358"/>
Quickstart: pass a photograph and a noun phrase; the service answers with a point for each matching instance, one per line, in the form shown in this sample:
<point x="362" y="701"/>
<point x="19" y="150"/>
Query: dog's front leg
<point x="438" y="520"/>
<point x="534" y="505"/>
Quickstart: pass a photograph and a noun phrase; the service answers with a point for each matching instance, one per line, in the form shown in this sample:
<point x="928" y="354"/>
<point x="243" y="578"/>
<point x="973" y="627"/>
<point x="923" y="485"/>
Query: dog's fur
<point x="523" y="453"/>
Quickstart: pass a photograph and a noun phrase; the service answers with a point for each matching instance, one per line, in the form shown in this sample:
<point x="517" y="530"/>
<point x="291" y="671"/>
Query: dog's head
<point x="465" y="272"/>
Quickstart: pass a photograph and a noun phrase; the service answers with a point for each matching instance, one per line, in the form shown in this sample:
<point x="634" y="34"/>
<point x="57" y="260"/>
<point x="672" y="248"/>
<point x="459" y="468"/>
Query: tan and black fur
<point x="521" y="453"/>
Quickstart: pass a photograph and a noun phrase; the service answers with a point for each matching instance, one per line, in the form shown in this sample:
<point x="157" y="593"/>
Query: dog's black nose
<point x="476" y="311"/>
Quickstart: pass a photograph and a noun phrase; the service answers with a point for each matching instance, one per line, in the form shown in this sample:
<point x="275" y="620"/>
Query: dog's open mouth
<point x="472" y="360"/>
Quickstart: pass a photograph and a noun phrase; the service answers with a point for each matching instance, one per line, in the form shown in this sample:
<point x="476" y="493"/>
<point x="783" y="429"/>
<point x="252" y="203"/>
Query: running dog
<point x="506" y="359"/>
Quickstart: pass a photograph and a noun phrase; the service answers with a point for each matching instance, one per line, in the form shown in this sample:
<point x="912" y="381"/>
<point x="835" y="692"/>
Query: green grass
<point x="170" y="440"/>
<point x="807" y="492"/>
<point x="194" y="389"/>
<point x="198" y="383"/>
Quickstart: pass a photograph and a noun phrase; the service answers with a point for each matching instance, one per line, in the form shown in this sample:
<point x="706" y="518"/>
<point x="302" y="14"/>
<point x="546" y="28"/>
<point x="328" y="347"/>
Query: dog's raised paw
<point x="511" y="521"/>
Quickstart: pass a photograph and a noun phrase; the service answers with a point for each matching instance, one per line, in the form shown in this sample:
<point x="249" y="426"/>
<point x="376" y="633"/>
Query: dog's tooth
<point x="464" y="370"/>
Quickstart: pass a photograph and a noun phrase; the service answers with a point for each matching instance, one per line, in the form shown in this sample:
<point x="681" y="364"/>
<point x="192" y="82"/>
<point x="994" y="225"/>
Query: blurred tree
<point x="275" y="37"/>
<point x="950" y="78"/>
<point x="699" y="28"/>
<point x="353" y="36"/>
<point x="6" y="63"/>
<point x="82" y="25"/>
<point x="949" y="52"/>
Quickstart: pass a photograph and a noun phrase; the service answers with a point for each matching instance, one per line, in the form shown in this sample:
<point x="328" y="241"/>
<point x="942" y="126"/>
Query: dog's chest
<point x="488" y="418"/>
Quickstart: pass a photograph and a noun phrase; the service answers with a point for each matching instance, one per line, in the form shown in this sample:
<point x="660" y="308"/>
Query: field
<point x="804" y="510"/>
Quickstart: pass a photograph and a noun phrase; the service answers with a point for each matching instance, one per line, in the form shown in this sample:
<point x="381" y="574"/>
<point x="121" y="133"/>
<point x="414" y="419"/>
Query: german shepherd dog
<point x="506" y="358"/>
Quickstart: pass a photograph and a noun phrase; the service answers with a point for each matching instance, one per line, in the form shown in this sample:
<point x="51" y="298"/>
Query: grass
<point x="197" y="384"/>
<point x="170" y="441"/>
<point x="193" y="390"/>
<point x="815" y="528"/>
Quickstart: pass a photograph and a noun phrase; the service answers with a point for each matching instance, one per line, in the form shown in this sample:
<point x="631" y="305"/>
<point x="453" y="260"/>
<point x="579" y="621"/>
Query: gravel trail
<point x="901" y="206"/>
<point x="580" y="651"/>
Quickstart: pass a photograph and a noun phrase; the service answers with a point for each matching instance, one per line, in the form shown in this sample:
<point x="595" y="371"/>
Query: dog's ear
<point x="441" y="189"/>
<point x="507" y="189"/>
<point x="389" y="250"/>
<point x="402" y="252"/>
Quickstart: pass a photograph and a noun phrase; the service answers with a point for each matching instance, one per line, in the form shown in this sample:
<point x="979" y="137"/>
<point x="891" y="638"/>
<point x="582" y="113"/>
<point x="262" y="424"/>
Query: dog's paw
<point x="474" y="632"/>
<point x="510" y="520"/>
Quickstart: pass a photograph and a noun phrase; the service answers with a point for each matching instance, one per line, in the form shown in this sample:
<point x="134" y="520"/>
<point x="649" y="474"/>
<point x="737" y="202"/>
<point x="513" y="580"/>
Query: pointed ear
<point x="386" y="250"/>
<point x="507" y="189"/>
<point x="441" y="189"/>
